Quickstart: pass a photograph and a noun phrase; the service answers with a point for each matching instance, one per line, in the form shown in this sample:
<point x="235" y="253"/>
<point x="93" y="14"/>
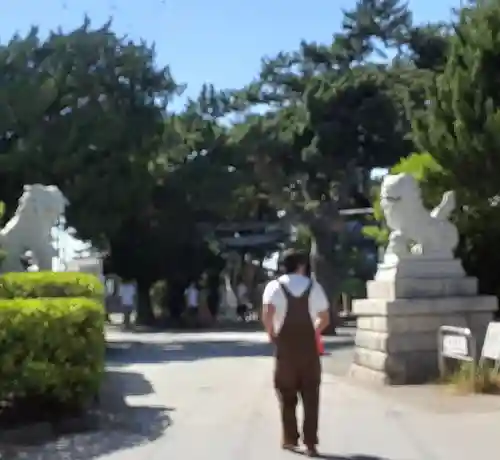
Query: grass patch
<point x="484" y="381"/>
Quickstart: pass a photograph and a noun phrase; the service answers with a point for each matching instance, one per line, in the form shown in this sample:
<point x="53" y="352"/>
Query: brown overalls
<point x="298" y="370"/>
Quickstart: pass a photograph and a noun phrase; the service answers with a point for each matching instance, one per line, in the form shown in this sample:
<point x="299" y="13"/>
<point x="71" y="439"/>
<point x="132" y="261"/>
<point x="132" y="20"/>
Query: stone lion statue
<point x="40" y="206"/>
<point x="415" y="230"/>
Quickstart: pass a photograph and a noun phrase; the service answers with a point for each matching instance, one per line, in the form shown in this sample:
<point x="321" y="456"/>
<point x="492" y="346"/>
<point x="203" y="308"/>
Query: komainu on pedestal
<point x="419" y="286"/>
<point x="39" y="208"/>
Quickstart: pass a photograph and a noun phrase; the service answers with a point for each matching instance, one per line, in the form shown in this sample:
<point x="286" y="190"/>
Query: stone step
<point x="424" y="306"/>
<point x="411" y="288"/>
<point x="365" y="374"/>
<point x="420" y="268"/>
<point x="425" y="323"/>
<point x="396" y="343"/>
<point x="394" y="369"/>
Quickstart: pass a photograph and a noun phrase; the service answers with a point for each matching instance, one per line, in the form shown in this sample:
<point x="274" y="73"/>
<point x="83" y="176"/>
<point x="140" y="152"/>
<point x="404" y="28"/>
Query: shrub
<point x="51" y="348"/>
<point x="50" y="284"/>
<point x="3" y="252"/>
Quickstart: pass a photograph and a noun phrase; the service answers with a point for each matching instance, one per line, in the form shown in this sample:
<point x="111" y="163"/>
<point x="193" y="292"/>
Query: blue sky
<point x="217" y="41"/>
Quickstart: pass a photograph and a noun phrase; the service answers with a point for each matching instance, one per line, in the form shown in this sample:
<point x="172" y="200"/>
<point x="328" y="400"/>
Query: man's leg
<point x="127" y="316"/>
<point x="287" y="386"/>
<point x="310" y="400"/>
<point x="310" y="380"/>
<point x="288" y="404"/>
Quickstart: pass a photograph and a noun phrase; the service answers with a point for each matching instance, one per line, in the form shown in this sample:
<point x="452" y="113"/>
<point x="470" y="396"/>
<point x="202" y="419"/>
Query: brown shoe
<point x="311" y="451"/>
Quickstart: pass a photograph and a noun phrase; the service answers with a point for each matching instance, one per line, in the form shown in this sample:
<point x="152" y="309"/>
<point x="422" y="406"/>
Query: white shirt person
<point x="296" y="285"/>
<point x="192" y="296"/>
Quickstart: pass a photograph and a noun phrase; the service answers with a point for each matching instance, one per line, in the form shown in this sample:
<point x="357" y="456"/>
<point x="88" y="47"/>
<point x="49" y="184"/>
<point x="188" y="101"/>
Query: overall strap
<point x="304" y="295"/>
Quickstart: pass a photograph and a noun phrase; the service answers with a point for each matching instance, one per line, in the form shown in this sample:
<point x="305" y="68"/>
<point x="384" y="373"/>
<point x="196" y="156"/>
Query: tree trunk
<point x="213" y="297"/>
<point x="145" y="315"/>
<point x="323" y="251"/>
<point x="174" y="301"/>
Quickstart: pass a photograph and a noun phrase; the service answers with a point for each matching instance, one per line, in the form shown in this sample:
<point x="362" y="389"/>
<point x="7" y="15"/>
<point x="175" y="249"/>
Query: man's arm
<point x="322" y="308"/>
<point x="268" y="312"/>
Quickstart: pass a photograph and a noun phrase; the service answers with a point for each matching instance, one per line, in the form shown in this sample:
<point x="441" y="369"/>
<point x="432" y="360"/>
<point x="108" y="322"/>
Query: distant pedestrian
<point x="192" y="295"/>
<point x="28" y="262"/>
<point x="243" y="300"/>
<point x="294" y="311"/>
<point x="127" y="292"/>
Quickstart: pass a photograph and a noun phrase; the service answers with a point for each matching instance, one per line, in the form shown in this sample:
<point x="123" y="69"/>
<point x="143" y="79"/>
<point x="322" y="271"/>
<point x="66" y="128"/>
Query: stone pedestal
<point x="397" y="325"/>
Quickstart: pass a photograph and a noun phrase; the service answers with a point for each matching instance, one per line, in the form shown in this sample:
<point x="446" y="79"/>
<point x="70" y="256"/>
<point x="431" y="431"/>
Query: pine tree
<point x="461" y="124"/>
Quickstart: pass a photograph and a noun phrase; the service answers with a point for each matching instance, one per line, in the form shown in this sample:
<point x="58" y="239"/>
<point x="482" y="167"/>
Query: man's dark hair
<point x="292" y="259"/>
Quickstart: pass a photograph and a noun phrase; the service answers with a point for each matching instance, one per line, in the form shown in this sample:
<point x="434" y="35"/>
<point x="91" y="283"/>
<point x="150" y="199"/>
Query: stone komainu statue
<point x="415" y="230"/>
<point x="40" y="206"/>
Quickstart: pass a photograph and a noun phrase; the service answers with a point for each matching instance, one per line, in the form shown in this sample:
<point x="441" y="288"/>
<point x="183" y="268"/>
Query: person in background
<point x="127" y="293"/>
<point x="204" y="315"/>
<point x="192" y="296"/>
<point x="243" y="300"/>
<point x="28" y="262"/>
<point x="294" y="310"/>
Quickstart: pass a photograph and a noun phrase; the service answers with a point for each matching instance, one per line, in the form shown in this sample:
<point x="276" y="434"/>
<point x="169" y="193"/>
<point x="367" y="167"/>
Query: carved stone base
<point x="414" y="288"/>
<point x="397" y="326"/>
<point x="418" y="267"/>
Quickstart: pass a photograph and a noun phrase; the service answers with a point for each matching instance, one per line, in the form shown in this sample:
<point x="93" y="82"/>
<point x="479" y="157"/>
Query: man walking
<point x="294" y="309"/>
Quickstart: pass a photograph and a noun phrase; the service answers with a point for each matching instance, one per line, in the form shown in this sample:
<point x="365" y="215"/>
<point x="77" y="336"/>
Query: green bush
<point x="50" y="284"/>
<point x="51" y="348"/>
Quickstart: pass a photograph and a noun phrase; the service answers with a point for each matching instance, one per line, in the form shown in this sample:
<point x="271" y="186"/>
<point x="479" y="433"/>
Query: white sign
<point x="455" y="345"/>
<point x="491" y="347"/>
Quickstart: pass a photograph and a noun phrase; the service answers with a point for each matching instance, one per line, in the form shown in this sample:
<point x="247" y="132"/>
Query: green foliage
<point x="83" y="110"/>
<point x="419" y="165"/>
<point x="428" y="173"/>
<point x="333" y="115"/>
<point x="158" y="293"/>
<point x="3" y="252"/>
<point x="460" y="125"/>
<point x="87" y="110"/>
<point x="33" y="285"/>
<point x="51" y="348"/>
<point x="302" y="238"/>
<point x="378" y="233"/>
<point x="354" y="287"/>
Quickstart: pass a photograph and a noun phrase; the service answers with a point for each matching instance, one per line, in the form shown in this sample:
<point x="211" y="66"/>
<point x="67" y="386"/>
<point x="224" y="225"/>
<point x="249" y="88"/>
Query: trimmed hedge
<point x="51" y="348"/>
<point x="33" y="285"/>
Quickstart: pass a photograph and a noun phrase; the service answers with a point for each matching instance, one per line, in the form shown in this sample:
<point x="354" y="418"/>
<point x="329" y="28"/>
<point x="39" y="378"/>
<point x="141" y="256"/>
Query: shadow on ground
<point x="120" y="425"/>
<point x="219" y="326"/>
<point x="137" y="351"/>
<point x="351" y="457"/>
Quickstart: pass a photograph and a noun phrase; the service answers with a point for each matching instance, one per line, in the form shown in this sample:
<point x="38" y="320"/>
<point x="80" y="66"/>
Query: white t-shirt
<point x="127" y="294"/>
<point x="296" y="285"/>
<point x="192" y="297"/>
